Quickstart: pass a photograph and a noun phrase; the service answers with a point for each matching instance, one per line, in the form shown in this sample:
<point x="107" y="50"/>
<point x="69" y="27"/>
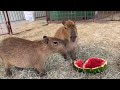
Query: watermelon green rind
<point x="97" y="70"/>
<point x="91" y="70"/>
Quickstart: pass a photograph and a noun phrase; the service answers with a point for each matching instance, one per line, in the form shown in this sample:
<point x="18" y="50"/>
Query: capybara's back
<point x="29" y="54"/>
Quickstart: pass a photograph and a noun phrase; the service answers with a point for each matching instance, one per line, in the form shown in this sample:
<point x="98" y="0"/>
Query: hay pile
<point x="96" y="39"/>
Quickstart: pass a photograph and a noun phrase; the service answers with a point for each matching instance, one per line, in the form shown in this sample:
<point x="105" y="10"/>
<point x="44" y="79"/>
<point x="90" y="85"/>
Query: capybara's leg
<point x="7" y="70"/>
<point x="19" y="68"/>
<point x="73" y="55"/>
<point x="40" y="70"/>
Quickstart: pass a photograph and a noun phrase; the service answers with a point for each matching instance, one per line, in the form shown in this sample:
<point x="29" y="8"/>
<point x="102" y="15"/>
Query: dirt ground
<point x="96" y="39"/>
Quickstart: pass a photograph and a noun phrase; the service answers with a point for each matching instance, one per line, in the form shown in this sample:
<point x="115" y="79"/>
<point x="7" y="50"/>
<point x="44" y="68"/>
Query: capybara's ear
<point x="73" y="21"/>
<point x="46" y="39"/>
<point x="63" y="22"/>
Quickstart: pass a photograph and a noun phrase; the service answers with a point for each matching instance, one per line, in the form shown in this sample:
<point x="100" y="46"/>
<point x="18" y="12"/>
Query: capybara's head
<point x="71" y="27"/>
<point x="56" y="45"/>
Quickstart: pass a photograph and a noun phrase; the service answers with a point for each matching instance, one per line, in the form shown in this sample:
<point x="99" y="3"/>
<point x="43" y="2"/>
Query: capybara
<point x="24" y="53"/>
<point x="69" y="34"/>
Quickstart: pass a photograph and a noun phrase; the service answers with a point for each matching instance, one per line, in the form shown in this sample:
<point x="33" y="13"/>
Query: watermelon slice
<point x="78" y="65"/>
<point x="92" y="65"/>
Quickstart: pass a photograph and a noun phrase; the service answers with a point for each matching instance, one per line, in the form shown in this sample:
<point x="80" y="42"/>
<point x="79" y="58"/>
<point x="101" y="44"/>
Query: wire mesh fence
<point x="83" y="15"/>
<point x="17" y="18"/>
<point x="108" y="15"/>
<point x="74" y="15"/>
<point x="5" y="27"/>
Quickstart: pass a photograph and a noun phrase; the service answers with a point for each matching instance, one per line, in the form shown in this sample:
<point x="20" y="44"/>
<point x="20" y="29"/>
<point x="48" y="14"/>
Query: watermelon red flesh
<point x="93" y="62"/>
<point x="79" y="63"/>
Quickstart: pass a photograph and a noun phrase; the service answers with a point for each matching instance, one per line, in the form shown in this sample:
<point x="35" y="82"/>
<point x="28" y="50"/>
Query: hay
<point x="96" y="39"/>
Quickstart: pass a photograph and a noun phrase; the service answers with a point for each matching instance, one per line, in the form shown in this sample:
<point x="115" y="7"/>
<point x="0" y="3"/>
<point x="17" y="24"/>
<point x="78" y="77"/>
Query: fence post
<point x="47" y="17"/>
<point x="85" y="15"/>
<point x="9" y="24"/>
<point x="112" y="16"/>
<point x="7" y="21"/>
<point x="94" y="16"/>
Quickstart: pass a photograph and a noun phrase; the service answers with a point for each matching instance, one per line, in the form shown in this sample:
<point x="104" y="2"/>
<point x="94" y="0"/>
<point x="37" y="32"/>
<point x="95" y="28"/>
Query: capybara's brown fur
<point x="69" y="34"/>
<point x="29" y="54"/>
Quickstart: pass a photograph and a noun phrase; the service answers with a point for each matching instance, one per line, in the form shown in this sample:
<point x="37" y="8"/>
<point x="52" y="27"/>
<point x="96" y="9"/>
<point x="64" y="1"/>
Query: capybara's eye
<point x="65" y="27"/>
<point x="55" y="42"/>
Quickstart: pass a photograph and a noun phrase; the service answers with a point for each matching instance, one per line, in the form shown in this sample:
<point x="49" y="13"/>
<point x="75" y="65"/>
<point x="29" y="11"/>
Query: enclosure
<point x="11" y="20"/>
<point x="15" y="19"/>
<point x="99" y="36"/>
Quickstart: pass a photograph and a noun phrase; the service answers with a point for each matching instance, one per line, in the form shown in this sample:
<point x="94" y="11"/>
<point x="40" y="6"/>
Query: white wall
<point x="19" y="15"/>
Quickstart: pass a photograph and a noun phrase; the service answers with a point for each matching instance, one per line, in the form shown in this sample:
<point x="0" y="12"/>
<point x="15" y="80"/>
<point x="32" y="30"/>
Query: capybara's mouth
<point x="73" y="39"/>
<point x="65" y="56"/>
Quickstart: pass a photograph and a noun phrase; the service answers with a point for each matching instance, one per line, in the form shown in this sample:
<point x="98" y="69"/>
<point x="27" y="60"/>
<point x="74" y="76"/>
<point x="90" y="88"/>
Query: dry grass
<point x="100" y="39"/>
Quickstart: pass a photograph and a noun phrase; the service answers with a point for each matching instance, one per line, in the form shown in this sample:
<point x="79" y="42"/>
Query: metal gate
<point x="7" y="18"/>
<point x="19" y="15"/>
<point x="65" y="15"/>
<point x="107" y="15"/>
<point x="40" y="14"/>
<point x="82" y="15"/>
